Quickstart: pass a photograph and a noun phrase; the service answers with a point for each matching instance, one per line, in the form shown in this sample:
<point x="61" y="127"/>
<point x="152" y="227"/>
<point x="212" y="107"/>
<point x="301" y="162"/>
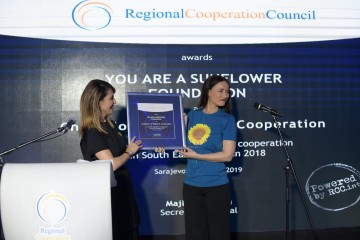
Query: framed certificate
<point x="156" y="119"/>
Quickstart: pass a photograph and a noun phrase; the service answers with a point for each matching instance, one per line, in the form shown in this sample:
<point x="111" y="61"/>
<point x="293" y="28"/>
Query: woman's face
<point x="219" y="94"/>
<point x="107" y="104"/>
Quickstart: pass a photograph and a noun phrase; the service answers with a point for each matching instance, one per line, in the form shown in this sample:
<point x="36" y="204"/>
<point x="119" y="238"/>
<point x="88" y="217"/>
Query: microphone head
<point x="257" y="105"/>
<point x="69" y="125"/>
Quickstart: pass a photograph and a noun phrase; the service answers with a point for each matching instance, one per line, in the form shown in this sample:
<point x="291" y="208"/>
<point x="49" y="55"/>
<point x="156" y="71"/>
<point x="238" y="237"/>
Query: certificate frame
<point x="156" y="119"/>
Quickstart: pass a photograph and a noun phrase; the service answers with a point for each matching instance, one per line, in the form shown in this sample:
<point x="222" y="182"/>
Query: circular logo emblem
<point x="199" y="134"/>
<point x="52" y="208"/>
<point x="91" y="15"/>
<point x="334" y="187"/>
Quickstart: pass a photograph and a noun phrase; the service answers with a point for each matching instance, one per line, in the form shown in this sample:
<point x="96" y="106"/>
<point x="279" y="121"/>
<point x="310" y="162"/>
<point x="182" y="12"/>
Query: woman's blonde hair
<point x="95" y="91"/>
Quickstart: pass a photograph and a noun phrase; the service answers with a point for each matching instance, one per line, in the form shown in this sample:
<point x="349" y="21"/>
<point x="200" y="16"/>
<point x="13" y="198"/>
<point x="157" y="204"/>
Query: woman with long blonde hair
<point x="102" y="140"/>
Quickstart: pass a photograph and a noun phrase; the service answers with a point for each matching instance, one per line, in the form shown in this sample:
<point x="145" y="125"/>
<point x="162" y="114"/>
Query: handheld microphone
<point x="67" y="126"/>
<point x="264" y="108"/>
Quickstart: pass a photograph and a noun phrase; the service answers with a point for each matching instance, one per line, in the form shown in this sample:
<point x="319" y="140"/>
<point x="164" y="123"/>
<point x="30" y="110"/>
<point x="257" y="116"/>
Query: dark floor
<point x="321" y="234"/>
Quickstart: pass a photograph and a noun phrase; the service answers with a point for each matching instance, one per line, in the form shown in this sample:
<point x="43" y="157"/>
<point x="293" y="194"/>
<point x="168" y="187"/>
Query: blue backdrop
<point x="316" y="85"/>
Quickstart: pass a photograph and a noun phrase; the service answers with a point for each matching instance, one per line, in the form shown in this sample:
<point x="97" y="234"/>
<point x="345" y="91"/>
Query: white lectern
<point x="67" y="201"/>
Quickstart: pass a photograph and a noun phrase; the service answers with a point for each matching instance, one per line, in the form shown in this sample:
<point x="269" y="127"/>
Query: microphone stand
<point x="1" y="230"/>
<point x="290" y="168"/>
<point x="31" y="141"/>
<point x="65" y="129"/>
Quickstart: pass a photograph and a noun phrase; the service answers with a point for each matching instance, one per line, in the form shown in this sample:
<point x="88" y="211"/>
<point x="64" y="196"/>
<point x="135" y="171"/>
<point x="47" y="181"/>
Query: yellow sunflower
<point x="199" y="134"/>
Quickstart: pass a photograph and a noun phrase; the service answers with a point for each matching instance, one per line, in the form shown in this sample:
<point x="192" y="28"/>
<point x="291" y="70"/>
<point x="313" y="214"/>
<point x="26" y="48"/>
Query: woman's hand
<point x="159" y="149"/>
<point x="187" y="152"/>
<point x="134" y="146"/>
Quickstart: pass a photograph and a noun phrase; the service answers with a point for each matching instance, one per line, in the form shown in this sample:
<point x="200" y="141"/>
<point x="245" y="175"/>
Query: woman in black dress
<point x="102" y="140"/>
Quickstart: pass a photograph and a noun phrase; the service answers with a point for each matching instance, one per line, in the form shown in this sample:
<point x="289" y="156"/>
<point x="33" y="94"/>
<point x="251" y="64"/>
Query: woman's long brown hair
<point x="209" y="83"/>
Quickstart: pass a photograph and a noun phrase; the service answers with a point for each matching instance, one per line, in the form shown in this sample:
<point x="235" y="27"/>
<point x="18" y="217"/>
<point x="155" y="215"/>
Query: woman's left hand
<point x="159" y="149"/>
<point x="187" y="152"/>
